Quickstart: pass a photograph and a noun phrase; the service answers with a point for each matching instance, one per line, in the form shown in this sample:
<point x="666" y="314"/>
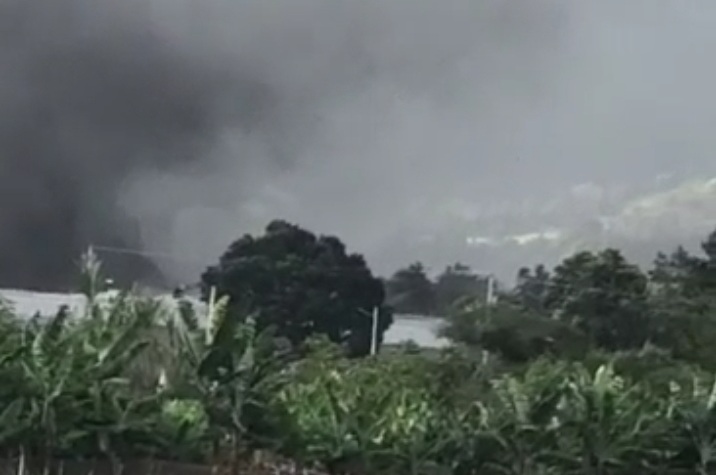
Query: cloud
<point x="643" y="225"/>
<point x="682" y="211"/>
<point x="180" y="125"/>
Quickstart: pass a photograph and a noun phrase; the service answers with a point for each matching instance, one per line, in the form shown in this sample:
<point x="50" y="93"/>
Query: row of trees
<point x="595" y="367"/>
<point x="304" y="285"/>
<point x="130" y="377"/>
<point x="601" y="300"/>
<point x="412" y="291"/>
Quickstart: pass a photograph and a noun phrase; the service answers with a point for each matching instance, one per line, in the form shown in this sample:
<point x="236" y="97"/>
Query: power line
<point x="139" y="252"/>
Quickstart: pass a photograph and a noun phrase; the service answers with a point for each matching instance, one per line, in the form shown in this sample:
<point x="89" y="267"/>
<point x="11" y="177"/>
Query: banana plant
<point x="231" y="368"/>
<point x="322" y="419"/>
<point x="693" y="420"/>
<point x="416" y="434"/>
<point x="46" y="362"/>
<point x="365" y="416"/>
<point x="608" y="424"/>
<point x="182" y="430"/>
<point x="523" y="419"/>
<point x="72" y="390"/>
<point x="109" y="341"/>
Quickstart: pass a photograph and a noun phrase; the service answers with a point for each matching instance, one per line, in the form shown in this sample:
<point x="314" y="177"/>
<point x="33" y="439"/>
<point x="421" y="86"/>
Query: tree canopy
<point x="411" y="291"/>
<point x="595" y="367"/>
<point x="302" y="285"/>
<point x="603" y="295"/>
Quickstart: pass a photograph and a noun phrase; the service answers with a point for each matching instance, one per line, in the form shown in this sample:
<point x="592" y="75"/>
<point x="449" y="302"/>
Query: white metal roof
<point x="420" y="329"/>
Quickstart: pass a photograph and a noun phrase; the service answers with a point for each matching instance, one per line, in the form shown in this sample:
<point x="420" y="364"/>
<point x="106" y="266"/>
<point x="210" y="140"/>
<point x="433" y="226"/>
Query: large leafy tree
<point x="685" y="325"/>
<point x="532" y="288"/>
<point x="301" y="285"/>
<point x="410" y="290"/>
<point x="691" y="275"/>
<point x="603" y="295"/>
<point x="513" y="332"/>
<point x="676" y="272"/>
<point x="458" y="282"/>
<point x="706" y="268"/>
<point x="684" y="303"/>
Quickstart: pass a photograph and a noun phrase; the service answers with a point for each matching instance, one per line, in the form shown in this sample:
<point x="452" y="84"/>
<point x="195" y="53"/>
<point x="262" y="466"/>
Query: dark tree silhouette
<point x="458" y="282"/>
<point x="603" y="295"/>
<point x="411" y="291"/>
<point x="687" y="274"/>
<point x="532" y="287"/>
<point x="513" y="332"/>
<point x="302" y="285"/>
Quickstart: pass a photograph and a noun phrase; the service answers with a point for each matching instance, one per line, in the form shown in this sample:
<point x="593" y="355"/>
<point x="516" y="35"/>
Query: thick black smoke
<point x="403" y="126"/>
<point x="180" y="124"/>
<point x="91" y="94"/>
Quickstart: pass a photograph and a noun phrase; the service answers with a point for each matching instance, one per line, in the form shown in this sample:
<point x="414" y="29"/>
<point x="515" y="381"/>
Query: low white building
<point x="422" y="330"/>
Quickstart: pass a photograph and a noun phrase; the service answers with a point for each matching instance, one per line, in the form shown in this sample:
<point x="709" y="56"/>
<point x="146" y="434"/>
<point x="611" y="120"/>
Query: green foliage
<point x="301" y="285"/>
<point x="71" y="388"/>
<point x="532" y="289"/>
<point x="458" y="282"/>
<point x="79" y="390"/>
<point x="183" y="429"/>
<point x="686" y="326"/>
<point x="411" y="291"/>
<point x="604" y="296"/>
<point x="514" y="333"/>
<point x="675" y="271"/>
<point x="569" y="386"/>
<point x="227" y="390"/>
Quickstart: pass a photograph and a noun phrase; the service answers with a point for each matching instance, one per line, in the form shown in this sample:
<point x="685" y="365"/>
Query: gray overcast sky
<point x="404" y="126"/>
<point x="409" y="119"/>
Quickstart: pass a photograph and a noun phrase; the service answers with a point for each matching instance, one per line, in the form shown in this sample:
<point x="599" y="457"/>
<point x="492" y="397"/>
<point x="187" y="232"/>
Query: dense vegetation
<point x="301" y="284"/>
<point x="411" y="291"/>
<point x="593" y="368"/>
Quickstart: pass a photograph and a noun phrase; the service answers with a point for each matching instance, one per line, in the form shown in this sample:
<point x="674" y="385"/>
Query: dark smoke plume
<point x="178" y="125"/>
<point x="91" y="94"/>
